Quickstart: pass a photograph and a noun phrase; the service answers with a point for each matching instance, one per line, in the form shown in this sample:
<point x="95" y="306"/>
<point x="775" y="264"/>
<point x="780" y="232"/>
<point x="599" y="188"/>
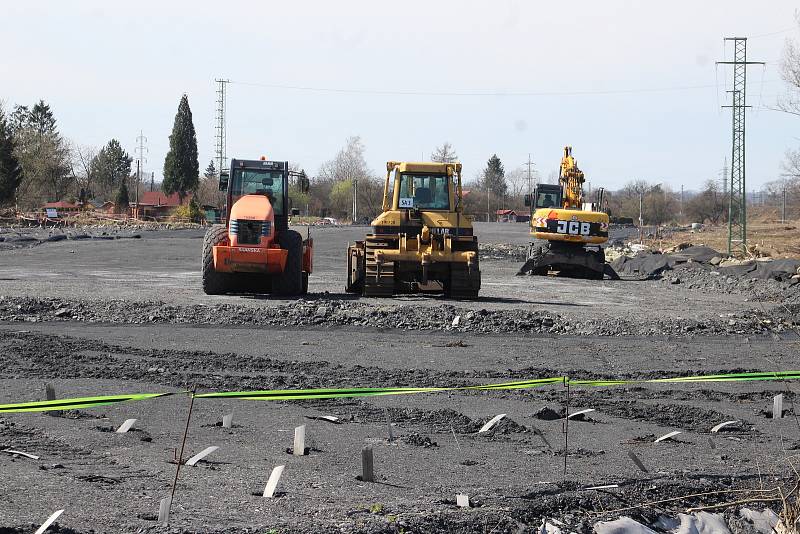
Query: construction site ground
<point x="127" y="315"/>
<point x="766" y="235"/>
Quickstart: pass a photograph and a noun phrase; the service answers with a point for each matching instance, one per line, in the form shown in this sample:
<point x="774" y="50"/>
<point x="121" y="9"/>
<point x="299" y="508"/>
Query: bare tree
<point x="790" y="73"/>
<point x="790" y="103"/>
<point x="444" y="154"/>
<point x="517" y="180"/>
<point x="348" y="170"/>
<point x="82" y="157"/>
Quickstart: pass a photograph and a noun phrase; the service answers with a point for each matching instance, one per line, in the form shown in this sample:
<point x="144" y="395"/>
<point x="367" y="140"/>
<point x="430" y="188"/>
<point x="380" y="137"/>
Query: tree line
<point x="38" y="165"/>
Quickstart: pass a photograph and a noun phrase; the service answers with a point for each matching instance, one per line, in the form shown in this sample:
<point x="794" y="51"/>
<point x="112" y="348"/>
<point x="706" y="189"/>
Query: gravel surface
<point x="126" y="315"/>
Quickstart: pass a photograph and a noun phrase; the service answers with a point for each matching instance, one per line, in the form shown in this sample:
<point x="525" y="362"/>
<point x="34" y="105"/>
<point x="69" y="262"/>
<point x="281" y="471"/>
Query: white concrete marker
<point x="329" y="418"/>
<point x="570" y="416"/>
<point x="299" y="448"/>
<point x="127" y="425"/>
<point x="227" y="421"/>
<point x="163" y="510"/>
<point x="272" y="483"/>
<point x="777" y="407"/>
<point x="25" y="454"/>
<point x="722" y="425"/>
<point x="456" y="320"/>
<point x="491" y="422"/>
<point x="200" y="455"/>
<point x="462" y="500"/>
<point x="49" y="522"/>
<point x="668" y="436"/>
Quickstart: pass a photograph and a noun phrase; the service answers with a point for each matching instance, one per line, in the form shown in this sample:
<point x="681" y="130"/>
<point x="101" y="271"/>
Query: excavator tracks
<point x="378" y="279"/>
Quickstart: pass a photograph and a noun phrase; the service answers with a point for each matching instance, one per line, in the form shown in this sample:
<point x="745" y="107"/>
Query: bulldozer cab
<point x="423" y="187"/>
<point x="262" y="177"/>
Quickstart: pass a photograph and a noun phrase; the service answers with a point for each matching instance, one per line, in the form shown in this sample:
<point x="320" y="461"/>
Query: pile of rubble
<point x="15" y="236"/>
<point x="503" y="251"/>
<point x="445" y="318"/>
<point x="701" y="267"/>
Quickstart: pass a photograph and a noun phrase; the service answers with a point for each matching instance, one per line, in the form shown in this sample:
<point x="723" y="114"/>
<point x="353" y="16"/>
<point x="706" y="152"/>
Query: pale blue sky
<point x="110" y="69"/>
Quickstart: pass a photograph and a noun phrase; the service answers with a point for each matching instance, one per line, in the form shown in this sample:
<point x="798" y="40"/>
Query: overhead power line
<point x="785" y="30"/>
<point x="475" y="93"/>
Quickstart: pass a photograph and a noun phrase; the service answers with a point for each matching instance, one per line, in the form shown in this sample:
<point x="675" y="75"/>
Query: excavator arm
<point x="571" y="179"/>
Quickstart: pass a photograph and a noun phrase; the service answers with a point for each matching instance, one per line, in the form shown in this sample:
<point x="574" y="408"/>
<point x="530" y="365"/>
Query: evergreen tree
<point x="122" y="200"/>
<point x="10" y="169"/>
<point x="43" y="154"/>
<point x="494" y="177"/>
<point x="181" y="168"/>
<point x="211" y="170"/>
<point x="110" y="167"/>
<point x="41" y="118"/>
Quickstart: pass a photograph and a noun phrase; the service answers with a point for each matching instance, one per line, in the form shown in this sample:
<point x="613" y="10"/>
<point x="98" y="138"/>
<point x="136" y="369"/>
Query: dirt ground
<point x="94" y="317"/>
<point x="768" y="237"/>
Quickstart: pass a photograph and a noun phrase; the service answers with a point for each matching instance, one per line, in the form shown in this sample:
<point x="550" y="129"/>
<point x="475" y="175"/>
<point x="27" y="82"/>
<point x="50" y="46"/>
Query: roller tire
<point x="214" y="282"/>
<point x="290" y="281"/>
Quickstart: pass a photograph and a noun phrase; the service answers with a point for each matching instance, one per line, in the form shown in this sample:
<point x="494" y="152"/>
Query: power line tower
<point x="724" y="178"/>
<point x="220" y="148"/>
<point x="141" y="150"/>
<point x="529" y="164"/>
<point x="737" y="201"/>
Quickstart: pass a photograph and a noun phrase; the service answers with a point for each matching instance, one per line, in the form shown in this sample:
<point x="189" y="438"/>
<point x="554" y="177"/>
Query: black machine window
<point x="424" y="191"/>
<point x="548" y="199"/>
<point x="260" y="182"/>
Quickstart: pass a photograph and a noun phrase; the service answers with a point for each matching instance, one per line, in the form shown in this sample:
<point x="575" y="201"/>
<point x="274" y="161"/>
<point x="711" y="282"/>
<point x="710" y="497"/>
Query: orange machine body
<point x="251" y="246"/>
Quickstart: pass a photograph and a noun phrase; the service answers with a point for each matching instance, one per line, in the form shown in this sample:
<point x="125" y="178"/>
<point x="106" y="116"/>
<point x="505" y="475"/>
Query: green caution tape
<point x="341" y="393"/>
<point x="305" y="394"/>
<point x="74" y="404"/>
<point x="729" y="377"/>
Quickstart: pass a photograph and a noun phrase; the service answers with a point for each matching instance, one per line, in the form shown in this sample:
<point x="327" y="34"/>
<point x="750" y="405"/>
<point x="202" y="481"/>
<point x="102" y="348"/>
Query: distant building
<point x="506" y="215"/>
<point x="96" y="204"/>
<point x="155" y="204"/>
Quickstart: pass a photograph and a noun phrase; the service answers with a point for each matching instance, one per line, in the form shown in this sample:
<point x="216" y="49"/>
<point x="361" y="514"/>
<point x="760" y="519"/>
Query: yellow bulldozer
<point x="568" y="233"/>
<point x="422" y="241"/>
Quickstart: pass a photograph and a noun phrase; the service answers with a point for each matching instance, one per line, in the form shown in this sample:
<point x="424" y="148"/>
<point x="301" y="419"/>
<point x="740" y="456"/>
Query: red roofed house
<point x="157" y="204"/>
<point x="506" y="215"/>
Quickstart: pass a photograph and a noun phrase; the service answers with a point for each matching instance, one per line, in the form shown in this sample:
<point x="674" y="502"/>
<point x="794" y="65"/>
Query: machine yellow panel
<point x="574" y="226"/>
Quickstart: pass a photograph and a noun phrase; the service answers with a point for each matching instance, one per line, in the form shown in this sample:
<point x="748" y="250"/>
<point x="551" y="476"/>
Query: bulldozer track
<point x="378" y="279"/>
<point x="464" y="282"/>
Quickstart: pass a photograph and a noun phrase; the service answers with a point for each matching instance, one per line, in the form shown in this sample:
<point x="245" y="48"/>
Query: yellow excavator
<point x="568" y="233"/>
<point x="422" y="241"/>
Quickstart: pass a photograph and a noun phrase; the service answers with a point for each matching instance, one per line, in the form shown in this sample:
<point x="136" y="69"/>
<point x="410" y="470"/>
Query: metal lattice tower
<point x="220" y="148"/>
<point x="737" y="200"/>
<point x="141" y="150"/>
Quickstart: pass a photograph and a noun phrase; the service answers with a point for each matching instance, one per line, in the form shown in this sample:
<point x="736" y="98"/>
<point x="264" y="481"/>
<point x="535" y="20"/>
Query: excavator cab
<point x="546" y="196"/>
